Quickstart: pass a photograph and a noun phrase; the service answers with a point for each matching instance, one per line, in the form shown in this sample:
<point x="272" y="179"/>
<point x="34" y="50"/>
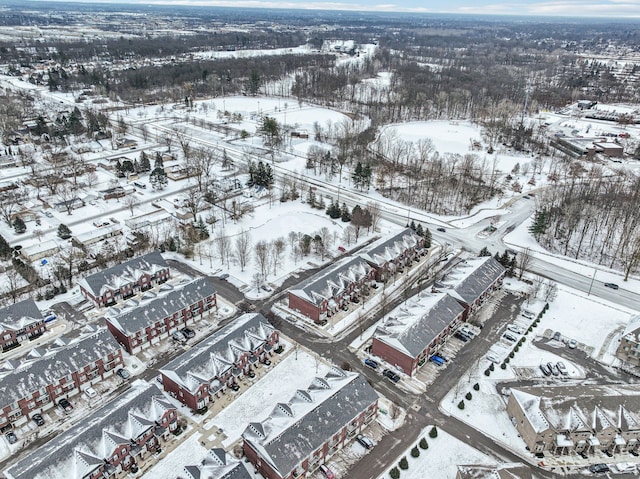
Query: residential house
<point x="72" y="204"/>
<point x="159" y="314"/>
<point x="109" y="443"/>
<point x="40" y="250"/>
<point x="500" y="471"/>
<point x="65" y="370"/>
<point x="629" y="347"/>
<point x="125" y="279"/>
<point x="203" y="373"/>
<point x="20" y="322"/>
<point x="583" y="419"/>
<point x="94" y="236"/>
<point x="416" y="330"/>
<point x="217" y="465"/>
<point x="391" y="254"/>
<point x="473" y="281"/>
<point x="300" y="435"/>
<point x="322" y="295"/>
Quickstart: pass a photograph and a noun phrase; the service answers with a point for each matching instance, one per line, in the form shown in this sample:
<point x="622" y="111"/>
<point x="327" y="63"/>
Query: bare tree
<point x="326" y="237"/>
<point x="10" y="202"/>
<point x="131" y="202"/>
<point x="277" y="249"/>
<point x="13" y="283"/>
<point x="550" y="291"/>
<point x="348" y="235"/>
<point x="223" y="245"/>
<point x="91" y="179"/>
<point x="67" y="195"/>
<point x="243" y="248"/>
<point x="193" y="201"/>
<point x="375" y="211"/>
<point x="261" y="250"/>
<point x="523" y="261"/>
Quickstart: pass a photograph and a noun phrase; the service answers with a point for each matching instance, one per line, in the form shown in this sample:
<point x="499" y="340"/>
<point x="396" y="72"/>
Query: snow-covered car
<point x="123" y="373"/>
<point x="90" y="393"/>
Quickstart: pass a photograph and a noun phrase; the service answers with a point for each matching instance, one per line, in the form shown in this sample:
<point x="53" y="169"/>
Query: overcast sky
<point x="590" y="8"/>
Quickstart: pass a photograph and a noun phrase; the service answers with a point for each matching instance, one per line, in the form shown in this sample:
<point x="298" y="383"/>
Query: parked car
<point x="554" y="370"/>
<point x="328" y="473"/>
<point x="514" y="329"/>
<point x="139" y="185"/>
<point x="188" y="333"/>
<point x="612" y="285"/>
<point x="65" y="405"/>
<point x="235" y="386"/>
<point x="90" y="393"/>
<point x="462" y="337"/>
<point x="509" y="337"/>
<point x="466" y="331"/>
<point x="437" y="360"/>
<point x="573" y="344"/>
<point x="557" y="336"/>
<point x="598" y="468"/>
<point x="251" y="374"/>
<point x="527" y="314"/>
<point x="391" y="375"/>
<point x="38" y="419"/>
<point x="223" y="276"/>
<point x="364" y="441"/>
<point x="266" y="288"/>
<point x="178" y="336"/>
<point x="562" y="368"/>
<point x="545" y="370"/>
<point x="123" y="373"/>
<point x="492" y="358"/>
<point x="371" y="363"/>
<point x="265" y="361"/>
<point x="11" y="437"/>
<point x="442" y="230"/>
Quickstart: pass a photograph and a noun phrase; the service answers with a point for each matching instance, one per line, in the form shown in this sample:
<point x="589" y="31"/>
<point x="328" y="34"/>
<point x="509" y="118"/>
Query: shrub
<point x="415" y="452"/>
<point x="516" y="349"/>
<point x="404" y="464"/>
<point x="433" y="433"/>
<point x="530" y="329"/>
<point x="461" y="405"/>
<point x="476" y="387"/>
<point x="491" y="367"/>
<point x="506" y="360"/>
<point x="512" y="354"/>
<point x="394" y="473"/>
<point x="487" y="372"/>
<point x="468" y="396"/>
<point x="423" y="444"/>
<point x="503" y="366"/>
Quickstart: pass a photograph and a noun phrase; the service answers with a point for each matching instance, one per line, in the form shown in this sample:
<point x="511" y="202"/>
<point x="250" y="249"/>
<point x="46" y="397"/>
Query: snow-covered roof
<point x="473" y="277"/>
<point x="217" y="354"/>
<point x="49" y="369"/>
<point x="92" y="235"/>
<point x="389" y="248"/>
<point x="501" y="471"/>
<point x="632" y="331"/>
<point x="296" y="429"/>
<point x="330" y="282"/>
<point x="80" y="450"/>
<point x="580" y="408"/>
<point x="156" y="309"/>
<point x="411" y="327"/>
<point x="40" y="247"/>
<point x="19" y="315"/>
<point x="124" y="273"/>
<point x="218" y="465"/>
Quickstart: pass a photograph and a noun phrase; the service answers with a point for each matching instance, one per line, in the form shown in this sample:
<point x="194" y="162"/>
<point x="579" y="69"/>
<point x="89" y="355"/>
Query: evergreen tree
<point x="419" y="230"/>
<point x="334" y="210"/>
<point x="344" y="213"/>
<point x="64" y="232"/>
<point x="203" y="232"/>
<point x="5" y="249"/>
<point x="357" y="176"/>
<point x="19" y="226"/>
<point x="484" y="252"/>
<point x="366" y="176"/>
<point x="413" y="225"/>
<point x="158" y="179"/>
<point x="144" y="164"/>
<point x="158" y="163"/>
<point x="427" y="238"/>
<point x="505" y="259"/>
<point x="540" y="223"/>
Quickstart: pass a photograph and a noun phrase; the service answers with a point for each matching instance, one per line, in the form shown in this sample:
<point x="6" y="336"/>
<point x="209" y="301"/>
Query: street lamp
<point x="592" y="280"/>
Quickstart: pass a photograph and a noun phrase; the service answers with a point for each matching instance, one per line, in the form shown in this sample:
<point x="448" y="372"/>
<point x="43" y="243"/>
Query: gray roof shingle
<point x="148" y="313"/>
<point x="150" y="262"/>
<point x="17" y="316"/>
<point x="58" y="363"/>
<point x="480" y="274"/>
<point x="289" y="440"/>
<point x="389" y="248"/>
<point x="80" y="449"/>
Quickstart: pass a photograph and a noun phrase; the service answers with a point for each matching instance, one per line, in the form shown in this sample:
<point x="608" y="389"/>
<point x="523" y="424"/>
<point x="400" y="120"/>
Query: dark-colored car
<point x="364" y="441"/>
<point x="266" y="361"/>
<point x="11" y="437"/>
<point x="38" y="419"/>
<point x="545" y="370"/>
<point x="391" y="375"/>
<point x="371" y="363"/>
<point x="65" y="405"/>
<point x="123" y="373"/>
<point x="188" y="333"/>
<point x="598" y="468"/>
<point x="442" y="230"/>
<point x="251" y="374"/>
<point x="612" y="286"/>
<point x="235" y="386"/>
<point x="462" y="337"/>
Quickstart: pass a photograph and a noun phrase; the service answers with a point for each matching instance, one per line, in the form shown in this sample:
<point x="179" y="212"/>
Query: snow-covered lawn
<point x="441" y="458"/>
<point x="188" y="453"/>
